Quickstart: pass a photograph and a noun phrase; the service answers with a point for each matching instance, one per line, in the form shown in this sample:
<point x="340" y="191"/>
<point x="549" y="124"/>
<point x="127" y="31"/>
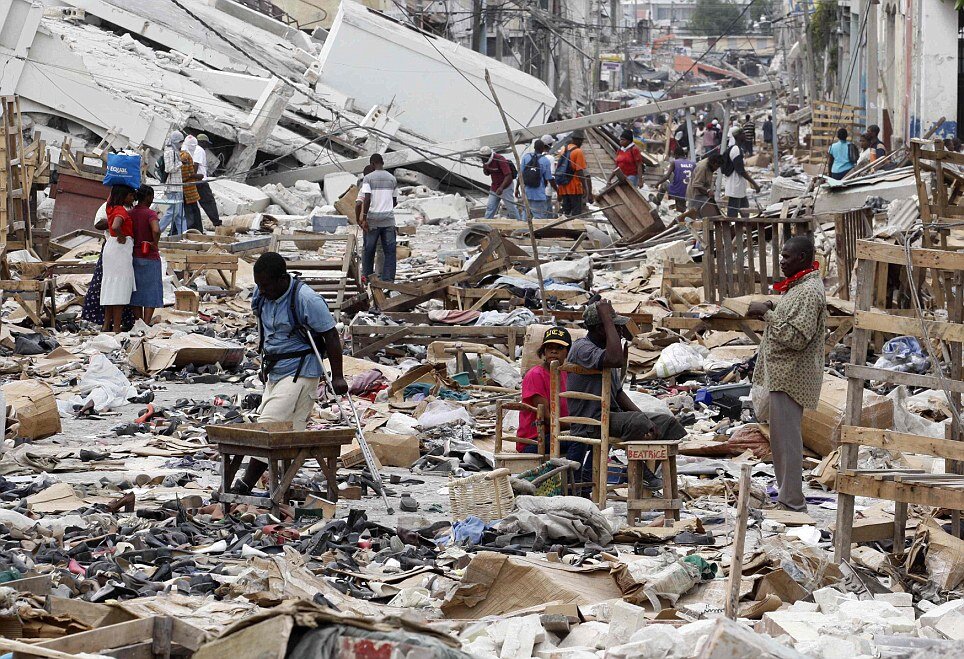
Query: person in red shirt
<point x="629" y="160"/>
<point x="535" y="386"/>
<point x="149" y="292"/>
<point x="503" y="184"/>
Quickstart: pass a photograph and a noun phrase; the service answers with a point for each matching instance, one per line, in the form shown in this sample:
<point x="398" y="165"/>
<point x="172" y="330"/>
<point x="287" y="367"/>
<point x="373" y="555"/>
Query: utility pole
<point x="596" y="68"/>
<point x="811" y="76"/>
<point x="478" y="26"/>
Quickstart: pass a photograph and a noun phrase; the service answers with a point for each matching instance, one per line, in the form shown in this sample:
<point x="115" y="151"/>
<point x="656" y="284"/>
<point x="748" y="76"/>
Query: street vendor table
<point x="285" y="450"/>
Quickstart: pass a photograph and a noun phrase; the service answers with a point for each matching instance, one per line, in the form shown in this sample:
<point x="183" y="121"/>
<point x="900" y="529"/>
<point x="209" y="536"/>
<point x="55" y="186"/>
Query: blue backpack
<point x="564" y="171"/>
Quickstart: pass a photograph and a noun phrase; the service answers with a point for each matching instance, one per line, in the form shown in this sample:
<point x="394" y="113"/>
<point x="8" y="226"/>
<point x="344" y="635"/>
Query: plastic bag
<point x="760" y="397"/>
<point x="439" y="413"/>
<point x="123" y="169"/>
<point x="105" y="385"/>
<point x="903" y="354"/>
<point x="679" y="358"/>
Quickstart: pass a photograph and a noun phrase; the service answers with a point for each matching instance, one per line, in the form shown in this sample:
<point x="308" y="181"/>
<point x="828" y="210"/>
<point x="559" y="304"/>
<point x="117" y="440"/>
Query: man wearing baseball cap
<point x="603" y="348"/>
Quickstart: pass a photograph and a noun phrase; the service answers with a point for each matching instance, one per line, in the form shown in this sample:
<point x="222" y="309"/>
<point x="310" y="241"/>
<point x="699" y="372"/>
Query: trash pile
<point x="119" y="529"/>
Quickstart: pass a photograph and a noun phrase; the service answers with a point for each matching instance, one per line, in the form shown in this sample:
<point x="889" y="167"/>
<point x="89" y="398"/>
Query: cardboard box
<point x="151" y="355"/>
<point x="186" y="300"/>
<point x="34" y="406"/>
<point x="821" y="427"/>
<point x="394" y="450"/>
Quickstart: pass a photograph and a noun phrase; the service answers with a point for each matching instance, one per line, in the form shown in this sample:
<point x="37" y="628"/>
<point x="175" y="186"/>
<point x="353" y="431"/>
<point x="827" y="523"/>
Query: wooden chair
<point x="663" y="451"/>
<point x="600" y="447"/>
<point x="518" y="462"/>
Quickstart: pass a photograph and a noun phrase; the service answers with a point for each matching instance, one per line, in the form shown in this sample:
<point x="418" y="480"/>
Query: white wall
<point x="935" y="69"/>
<point x="379" y="62"/>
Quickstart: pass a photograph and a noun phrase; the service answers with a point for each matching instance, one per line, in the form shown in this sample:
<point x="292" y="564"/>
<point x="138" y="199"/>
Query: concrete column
<point x="936" y="77"/>
<point x="872" y="83"/>
<point x="262" y="120"/>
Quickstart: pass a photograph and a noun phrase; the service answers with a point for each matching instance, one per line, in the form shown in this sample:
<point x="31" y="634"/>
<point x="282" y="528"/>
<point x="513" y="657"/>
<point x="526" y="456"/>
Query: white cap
<point x="548" y="140"/>
<point x="735" y="131"/>
<point x="485" y="152"/>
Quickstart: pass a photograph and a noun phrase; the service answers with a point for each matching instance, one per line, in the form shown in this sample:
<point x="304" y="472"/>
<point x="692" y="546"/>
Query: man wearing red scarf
<point x="789" y="366"/>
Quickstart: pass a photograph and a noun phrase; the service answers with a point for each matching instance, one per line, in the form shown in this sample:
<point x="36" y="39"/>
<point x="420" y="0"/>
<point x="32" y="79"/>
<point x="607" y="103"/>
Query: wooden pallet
<point x="397" y="296"/>
<point x="368" y="339"/>
<point x="190" y="265"/>
<point x="335" y="273"/>
<point x="629" y="212"/>
<point x="902" y="486"/>
<point x="827" y="118"/>
<point x="735" y="253"/>
<point x="849" y="227"/>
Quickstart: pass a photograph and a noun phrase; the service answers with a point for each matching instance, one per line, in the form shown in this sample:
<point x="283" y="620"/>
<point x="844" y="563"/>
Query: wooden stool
<point x="640" y="497"/>
<point x="285" y="451"/>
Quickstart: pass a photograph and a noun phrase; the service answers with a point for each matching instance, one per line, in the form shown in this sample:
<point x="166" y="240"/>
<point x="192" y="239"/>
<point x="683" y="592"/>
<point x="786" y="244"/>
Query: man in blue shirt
<point x="841" y="159"/>
<point x="537" y="164"/>
<point x="290" y="369"/>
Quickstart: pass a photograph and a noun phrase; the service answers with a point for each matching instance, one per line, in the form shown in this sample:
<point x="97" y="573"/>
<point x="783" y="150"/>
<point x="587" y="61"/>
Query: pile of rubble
<point x="114" y="535"/>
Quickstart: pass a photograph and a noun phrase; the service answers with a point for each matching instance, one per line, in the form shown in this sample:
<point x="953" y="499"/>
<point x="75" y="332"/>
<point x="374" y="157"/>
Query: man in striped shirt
<point x="379" y="192"/>
<point x="749" y="134"/>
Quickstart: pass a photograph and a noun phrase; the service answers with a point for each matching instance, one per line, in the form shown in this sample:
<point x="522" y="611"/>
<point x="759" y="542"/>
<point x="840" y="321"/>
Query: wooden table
<point x="285" y="450"/>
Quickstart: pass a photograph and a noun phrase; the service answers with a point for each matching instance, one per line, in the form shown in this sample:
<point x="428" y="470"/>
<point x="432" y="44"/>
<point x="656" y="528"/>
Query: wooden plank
<point x="897" y="441"/>
<point x="739" y="540"/>
<point x="923" y="495"/>
<point x="888" y="324"/>
<point x="854" y="411"/>
<point x="896" y="377"/>
<point x="97" y="640"/>
<point x="921" y="258"/>
<point x="375" y="346"/>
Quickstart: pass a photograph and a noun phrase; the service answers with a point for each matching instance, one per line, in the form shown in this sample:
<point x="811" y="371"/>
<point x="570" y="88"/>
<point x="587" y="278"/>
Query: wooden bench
<point x="285" y="450"/>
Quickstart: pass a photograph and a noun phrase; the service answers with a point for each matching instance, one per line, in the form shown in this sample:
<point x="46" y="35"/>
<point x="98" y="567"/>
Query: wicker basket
<point x="487" y="496"/>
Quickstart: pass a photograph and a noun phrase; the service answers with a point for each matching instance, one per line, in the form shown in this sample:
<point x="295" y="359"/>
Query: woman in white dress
<point x="117" y="284"/>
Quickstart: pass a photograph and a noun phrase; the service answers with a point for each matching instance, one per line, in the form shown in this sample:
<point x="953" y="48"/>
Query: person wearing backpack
<point x="536" y="173"/>
<point x="287" y="310"/>
<point x="842" y="156"/>
<point x="735" y="174"/>
<point x="572" y="176"/>
<point x="629" y="160"/>
<point x="503" y="175"/>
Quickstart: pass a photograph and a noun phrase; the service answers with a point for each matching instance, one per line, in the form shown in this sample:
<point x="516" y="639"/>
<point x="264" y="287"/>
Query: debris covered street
<point x="575" y="330"/>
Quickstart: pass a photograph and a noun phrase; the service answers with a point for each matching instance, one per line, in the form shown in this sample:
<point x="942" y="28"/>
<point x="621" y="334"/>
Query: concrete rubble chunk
<point x="873" y="612"/>
<point x="829" y="599"/>
<point x="625" y="619"/>
<point x="655" y="641"/>
<point x="931" y="617"/>
<point x="235" y="198"/>
<point x="335" y="185"/>
<point x="951" y="625"/>
<point x="587" y="635"/>
<point x="521" y="635"/>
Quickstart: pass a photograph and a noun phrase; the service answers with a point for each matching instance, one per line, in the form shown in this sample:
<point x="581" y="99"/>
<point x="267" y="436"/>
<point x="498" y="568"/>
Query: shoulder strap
<point x="297" y="325"/>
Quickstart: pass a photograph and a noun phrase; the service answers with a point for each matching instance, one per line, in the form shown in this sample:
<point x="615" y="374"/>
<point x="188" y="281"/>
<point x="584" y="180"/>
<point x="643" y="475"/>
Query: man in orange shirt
<point x="572" y="176"/>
